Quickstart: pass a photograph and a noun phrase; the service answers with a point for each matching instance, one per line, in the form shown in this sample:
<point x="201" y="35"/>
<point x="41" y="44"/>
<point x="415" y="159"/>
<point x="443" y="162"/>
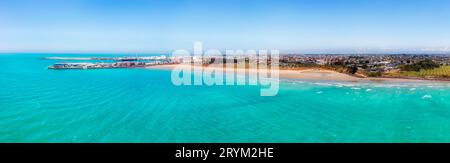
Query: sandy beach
<point x="315" y="75"/>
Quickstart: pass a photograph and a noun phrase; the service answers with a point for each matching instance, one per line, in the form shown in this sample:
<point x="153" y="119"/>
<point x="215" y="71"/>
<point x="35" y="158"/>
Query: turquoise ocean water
<point x="142" y="105"/>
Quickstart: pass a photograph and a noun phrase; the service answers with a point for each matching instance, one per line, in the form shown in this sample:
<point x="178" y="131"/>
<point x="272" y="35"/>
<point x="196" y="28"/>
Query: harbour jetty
<point x="111" y="62"/>
<point x="150" y="58"/>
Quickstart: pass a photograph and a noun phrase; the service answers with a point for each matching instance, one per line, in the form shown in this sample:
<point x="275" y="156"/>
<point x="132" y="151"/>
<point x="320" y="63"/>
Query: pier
<point x="117" y="62"/>
<point x="151" y="58"/>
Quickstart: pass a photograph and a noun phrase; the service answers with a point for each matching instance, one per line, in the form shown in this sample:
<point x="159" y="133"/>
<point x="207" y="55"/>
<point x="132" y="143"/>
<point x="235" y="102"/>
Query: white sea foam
<point x="370" y="85"/>
<point x="324" y="84"/>
<point x="427" y="97"/>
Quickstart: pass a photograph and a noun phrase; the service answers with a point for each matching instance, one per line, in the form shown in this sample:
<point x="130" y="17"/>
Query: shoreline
<point x="315" y="74"/>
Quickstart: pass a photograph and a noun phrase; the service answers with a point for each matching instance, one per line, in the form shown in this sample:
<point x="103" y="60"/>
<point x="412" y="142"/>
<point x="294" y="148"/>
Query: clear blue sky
<point x="164" y="25"/>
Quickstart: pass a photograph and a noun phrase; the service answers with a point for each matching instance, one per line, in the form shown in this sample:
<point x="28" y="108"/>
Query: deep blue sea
<point x="142" y="105"/>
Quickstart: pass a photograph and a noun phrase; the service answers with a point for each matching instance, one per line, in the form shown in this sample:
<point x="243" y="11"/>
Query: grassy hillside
<point x="440" y="72"/>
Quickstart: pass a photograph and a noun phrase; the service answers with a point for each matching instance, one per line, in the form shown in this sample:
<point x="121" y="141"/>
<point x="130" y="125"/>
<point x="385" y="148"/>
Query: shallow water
<point x="142" y="105"/>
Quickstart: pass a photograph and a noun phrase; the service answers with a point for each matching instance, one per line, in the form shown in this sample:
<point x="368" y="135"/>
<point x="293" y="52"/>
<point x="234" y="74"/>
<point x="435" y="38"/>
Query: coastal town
<point x="372" y="62"/>
<point x="416" y="66"/>
<point x="362" y="66"/>
<point x="369" y="65"/>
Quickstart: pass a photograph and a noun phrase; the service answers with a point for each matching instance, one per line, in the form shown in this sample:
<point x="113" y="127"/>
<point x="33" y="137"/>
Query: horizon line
<point x="169" y="53"/>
